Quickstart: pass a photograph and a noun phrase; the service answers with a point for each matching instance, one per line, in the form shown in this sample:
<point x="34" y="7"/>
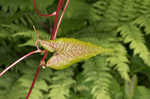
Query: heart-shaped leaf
<point x="69" y="51"/>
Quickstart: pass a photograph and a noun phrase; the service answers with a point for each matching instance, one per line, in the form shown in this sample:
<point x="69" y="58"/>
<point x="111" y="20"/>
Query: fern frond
<point x="128" y="12"/>
<point x="6" y="84"/>
<point x="28" y="70"/>
<point x="119" y="60"/>
<point x="20" y="86"/>
<point x="61" y="84"/>
<point x="21" y="31"/>
<point x="97" y="73"/>
<point x="40" y="86"/>
<point x="98" y="10"/>
<point x="133" y="35"/>
<point x="111" y="16"/>
<point x="14" y="5"/>
<point x="32" y="37"/>
<point x="143" y="21"/>
<point x="144" y="8"/>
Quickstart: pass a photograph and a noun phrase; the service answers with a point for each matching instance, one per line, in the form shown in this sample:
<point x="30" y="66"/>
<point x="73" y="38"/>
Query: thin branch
<point x="36" y="74"/>
<point x="66" y="5"/>
<point x="17" y="61"/>
<point x="60" y="3"/>
<point x="34" y="80"/>
<point x="53" y="36"/>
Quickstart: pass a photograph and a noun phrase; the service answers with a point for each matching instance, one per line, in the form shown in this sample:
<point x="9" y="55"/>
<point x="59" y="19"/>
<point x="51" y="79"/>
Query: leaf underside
<point x="69" y="51"/>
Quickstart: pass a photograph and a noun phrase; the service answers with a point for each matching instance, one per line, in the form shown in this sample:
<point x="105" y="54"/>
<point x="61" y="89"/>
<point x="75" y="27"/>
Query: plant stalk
<point x="53" y="36"/>
<point x="17" y="61"/>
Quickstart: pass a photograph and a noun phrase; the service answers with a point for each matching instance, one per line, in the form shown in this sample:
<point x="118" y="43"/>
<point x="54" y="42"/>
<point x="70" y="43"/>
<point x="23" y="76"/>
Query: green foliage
<point x="120" y="61"/>
<point x="62" y="82"/>
<point x="142" y="92"/>
<point x="120" y="25"/>
<point x="132" y="35"/>
<point x="98" y="77"/>
<point x="69" y="51"/>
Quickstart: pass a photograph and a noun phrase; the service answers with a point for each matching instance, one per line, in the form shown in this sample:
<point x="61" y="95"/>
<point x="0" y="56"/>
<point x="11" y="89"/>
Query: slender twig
<point x="36" y="74"/>
<point x="53" y="36"/>
<point x="59" y="22"/>
<point x="34" y="80"/>
<point x="60" y="3"/>
<point x="17" y="61"/>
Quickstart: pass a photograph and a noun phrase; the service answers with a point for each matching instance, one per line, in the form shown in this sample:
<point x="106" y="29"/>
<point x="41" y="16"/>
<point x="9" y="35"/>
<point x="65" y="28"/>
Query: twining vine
<point x="121" y="25"/>
<point x="53" y="36"/>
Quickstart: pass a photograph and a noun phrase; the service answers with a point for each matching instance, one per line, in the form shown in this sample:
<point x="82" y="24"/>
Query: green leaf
<point x="96" y="72"/>
<point x="134" y="36"/>
<point x="62" y="81"/>
<point x="69" y="51"/>
<point x="119" y="60"/>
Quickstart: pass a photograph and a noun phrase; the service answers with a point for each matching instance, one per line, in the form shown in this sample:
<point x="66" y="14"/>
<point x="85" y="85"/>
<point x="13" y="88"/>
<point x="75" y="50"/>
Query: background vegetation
<point x="121" y="25"/>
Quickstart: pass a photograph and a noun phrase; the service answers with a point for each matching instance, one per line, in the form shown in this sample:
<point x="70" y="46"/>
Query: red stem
<point x="53" y="36"/>
<point x="17" y="61"/>
<point x="60" y="3"/>
<point x="34" y="80"/>
<point x="59" y="22"/>
<point x="36" y="74"/>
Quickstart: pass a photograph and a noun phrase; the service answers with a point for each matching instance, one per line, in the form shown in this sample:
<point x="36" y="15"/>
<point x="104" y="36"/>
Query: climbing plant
<point x="119" y="25"/>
